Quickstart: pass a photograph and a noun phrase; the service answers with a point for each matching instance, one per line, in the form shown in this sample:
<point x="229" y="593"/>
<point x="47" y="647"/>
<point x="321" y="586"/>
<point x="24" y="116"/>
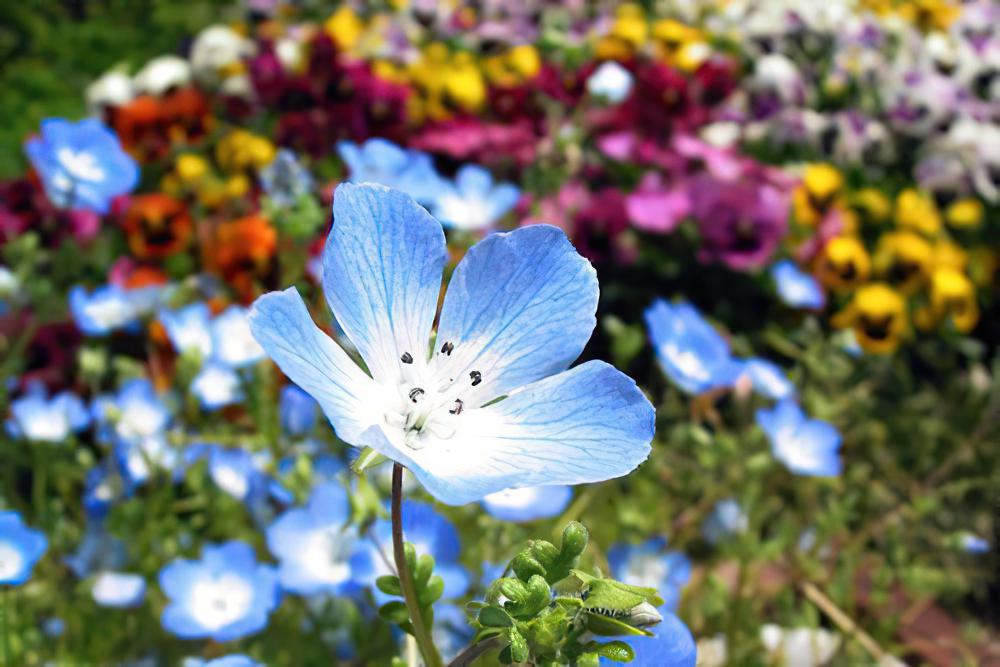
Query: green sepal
<point x="606" y="626"/>
<point x="430" y="593"/>
<point x="422" y="573"/>
<point x="394" y="612"/>
<point x="495" y="617"/>
<point x="369" y="459"/>
<point x="389" y="584"/>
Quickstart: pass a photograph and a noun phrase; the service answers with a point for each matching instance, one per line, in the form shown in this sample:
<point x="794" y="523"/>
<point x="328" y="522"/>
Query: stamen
<point x="477" y="377"/>
<point x="407" y="358"/>
<point x="457" y="410"/>
<point x="415" y="393"/>
<point x="447" y="348"/>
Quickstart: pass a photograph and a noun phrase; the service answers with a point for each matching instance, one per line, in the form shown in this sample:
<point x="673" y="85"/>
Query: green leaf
<point x="495" y="617"/>
<point x="394" y="612"/>
<point x="606" y="626"/>
<point x="617" y="651"/>
<point x="389" y="584"/>
<point x="518" y="646"/>
<point x="431" y="592"/>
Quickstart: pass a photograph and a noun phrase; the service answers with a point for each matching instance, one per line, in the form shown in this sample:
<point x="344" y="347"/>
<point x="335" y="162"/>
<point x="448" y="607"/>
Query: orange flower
<point x="157" y="226"/>
<point x="139" y="127"/>
<point x="242" y="251"/>
<point x="185" y="114"/>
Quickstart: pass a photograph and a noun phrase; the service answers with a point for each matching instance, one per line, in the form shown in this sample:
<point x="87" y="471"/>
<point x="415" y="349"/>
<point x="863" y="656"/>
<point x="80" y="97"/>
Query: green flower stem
<point x="420" y="630"/>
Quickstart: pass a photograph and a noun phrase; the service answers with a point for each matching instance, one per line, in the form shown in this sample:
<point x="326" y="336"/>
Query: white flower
<point x="161" y="74"/>
<point x="217" y="49"/>
<point x="799" y="647"/>
<point x="112" y="89"/>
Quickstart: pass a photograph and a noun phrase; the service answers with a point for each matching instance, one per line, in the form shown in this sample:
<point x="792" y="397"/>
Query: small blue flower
<point x="383" y="162"/>
<point x="119" y="590"/>
<point x="298" y="411"/>
<point x="797" y="288"/>
<point x="82" y="165"/>
<point x="232" y="342"/>
<point x="529" y="503"/>
<point x="236" y="472"/>
<point x="20" y="549"/>
<point x="806" y="446"/>
<point x="110" y="307"/>
<point x="98" y="550"/>
<point x="974" y="544"/>
<point x="133" y="414"/>
<point x="519" y="309"/>
<point x="768" y="379"/>
<point x="430" y="533"/>
<point x="188" y="328"/>
<point x="691" y="353"/>
<point x="651" y="564"/>
<point x="727" y="519"/>
<point x="474" y="201"/>
<point x="314" y="544"/>
<point x="135" y="458"/>
<point x="99" y="491"/>
<point x="38" y="418"/>
<point x="610" y="82"/>
<point x="216" y="386"/>
<point x="670" y="646"/>
<point x="223" y="596"/>
<point x="235" y="660"/>
<point x="285" y="179"/>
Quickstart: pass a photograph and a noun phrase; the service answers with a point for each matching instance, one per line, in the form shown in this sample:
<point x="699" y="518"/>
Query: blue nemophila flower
<point x="529" y="503"/>
<point x="136" y="412"/>
<point x="298" y="411"/>
<point x="974" y="544"/>
<point x="383" y="162"/>
<point x="518" y="311"/>
<point x="233" y="660"/>
<point x="20" y="549"/>
<point x="82" y="165"/>
<point x="806" y="446"/>
<point x="474" y="201"/>
<point x="768" y="379"/>
<point x="727" y="519"/>
<point x="314" y="543"/>
<point x="120" y="590"/>
<point x="216" y="386"/>
<point x="98" y="550"/>
<point x="610" y="82"/>
<point x="670" y="646"/>
<point x="223" y="596"/>
<point x="285" y="179"/>
<point x="188" y="328"/>
<point x="429" y="532"/>
<point x="651" y="564"/>
<point x="795" y="287"/>
<point x="40" y="418"/>
<point x="451" y="631"/>
<point x="110" y="307"/>
<point x="690" y="351"/>
<point x="232" y="342"/>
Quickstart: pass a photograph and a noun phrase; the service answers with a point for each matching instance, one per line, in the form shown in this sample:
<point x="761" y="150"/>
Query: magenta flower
<point x="741" y="224"/>
<point x="656" y="206"/>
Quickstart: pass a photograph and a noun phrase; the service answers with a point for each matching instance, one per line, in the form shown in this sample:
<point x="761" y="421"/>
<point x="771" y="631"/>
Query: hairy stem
<point x="421" y="633"/>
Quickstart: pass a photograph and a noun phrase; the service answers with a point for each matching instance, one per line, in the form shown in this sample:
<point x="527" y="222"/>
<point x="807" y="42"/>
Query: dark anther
<point x="415" y="392"/>
<point x="447" y="348"/>
<point x="457" y="410"/>
<point x="407" y="358"/>
<point x="477" y="377"/>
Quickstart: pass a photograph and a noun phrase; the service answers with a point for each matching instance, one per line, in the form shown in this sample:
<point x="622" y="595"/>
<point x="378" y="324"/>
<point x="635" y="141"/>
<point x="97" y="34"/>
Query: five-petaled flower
<point x="492" y="405"/>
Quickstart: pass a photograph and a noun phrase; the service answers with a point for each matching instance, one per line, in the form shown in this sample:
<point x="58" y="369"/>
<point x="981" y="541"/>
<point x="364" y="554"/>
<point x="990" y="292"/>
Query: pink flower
<point x="656" y="207"/>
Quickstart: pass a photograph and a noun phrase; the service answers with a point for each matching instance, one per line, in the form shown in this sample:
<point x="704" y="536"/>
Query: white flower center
<point x="11" y="561"/>
<point x="47" y="425"/>
<point x="686" y="361"/>
<point x="80" y="165"/>
<point x="325" y="556"/>
<point x="215" y="603"/>
<point x="232" y="481"/>
<point x="431" y="397"/>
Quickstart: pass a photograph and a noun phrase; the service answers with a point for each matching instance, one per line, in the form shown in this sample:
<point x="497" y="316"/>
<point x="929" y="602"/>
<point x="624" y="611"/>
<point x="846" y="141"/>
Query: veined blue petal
<point x="529" y="503"/>
<point x="670" y="646"/>
<point x="382" y="274"/>
<point x="520" y="307"/>
<point x="350" y="399"/>
<point x="587" y="424"/>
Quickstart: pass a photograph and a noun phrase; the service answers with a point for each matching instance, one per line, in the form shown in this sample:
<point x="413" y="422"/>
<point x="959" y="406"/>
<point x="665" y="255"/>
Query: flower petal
<point x="587" y="424"/>
<point x="520" y="307"/>
<point x="382" y="274"/>
<point x="311" y="359"/>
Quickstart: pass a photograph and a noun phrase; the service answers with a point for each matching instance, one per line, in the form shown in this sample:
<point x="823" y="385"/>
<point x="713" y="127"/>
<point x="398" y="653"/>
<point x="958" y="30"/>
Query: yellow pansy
<point x="877" y="315"/>
<point x="872" y="205"/>
<point x="904" y="259"/>
<point x="929" y="15"/>
<point x="240" y="150"/>
<point x="680" y="45"/>
<point x="952" y="298"/>
<point x="515" y="66"/>
<point x="917" y="211"/>
<point x="344" y="27"/>
<point x="965" y="213"/>
<point x="626" y="35"/>
<point x="950" y="255"/>
<point x="191" y="168"/>
<point x="464" y="84"/>
<point x="844" y="263"/>
<point x="815" y="195"/>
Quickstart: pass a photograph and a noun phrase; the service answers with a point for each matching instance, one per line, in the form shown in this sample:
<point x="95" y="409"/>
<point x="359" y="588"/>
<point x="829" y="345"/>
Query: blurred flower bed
<point x="793" y="215"/>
